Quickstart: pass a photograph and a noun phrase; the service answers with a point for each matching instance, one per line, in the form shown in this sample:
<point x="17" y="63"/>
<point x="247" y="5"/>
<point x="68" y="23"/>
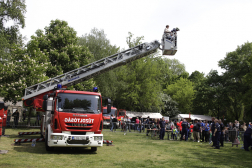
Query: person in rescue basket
<point x="162" y="128"/>
<point x="166" y="30"/>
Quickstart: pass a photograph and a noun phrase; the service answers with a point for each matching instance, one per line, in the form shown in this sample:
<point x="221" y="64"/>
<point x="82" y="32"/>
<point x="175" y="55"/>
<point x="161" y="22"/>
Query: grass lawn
<point x="131" y="150"/>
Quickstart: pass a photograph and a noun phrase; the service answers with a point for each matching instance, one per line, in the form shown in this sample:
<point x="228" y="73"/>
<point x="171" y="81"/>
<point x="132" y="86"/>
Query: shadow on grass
<point x="40" y="149"/>
<point x="12" y="133"/>
<point x="40" y="146"/>
<point x="140" y="163"/>
<point x="227" y="156"/>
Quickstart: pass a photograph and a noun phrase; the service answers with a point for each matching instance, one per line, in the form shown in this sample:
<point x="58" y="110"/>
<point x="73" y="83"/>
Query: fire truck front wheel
<point x="93" y="149"/>
<point x="48" y="148"/>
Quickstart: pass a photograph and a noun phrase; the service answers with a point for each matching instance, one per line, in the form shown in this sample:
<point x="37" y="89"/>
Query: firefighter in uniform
<point x="162" y="128"/>
<point x="212" y="130"/>
<point x="217" y="133"/>
<point x="222" y="134"/>
<point x="247" y="138"/>
<point x="184" y="130"/>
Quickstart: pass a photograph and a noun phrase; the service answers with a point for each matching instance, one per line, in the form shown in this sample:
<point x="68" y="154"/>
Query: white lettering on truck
<point x="79" y="120"/>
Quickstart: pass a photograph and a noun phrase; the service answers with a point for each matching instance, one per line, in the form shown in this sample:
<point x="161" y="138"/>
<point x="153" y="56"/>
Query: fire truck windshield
<point x="78" y="103"/>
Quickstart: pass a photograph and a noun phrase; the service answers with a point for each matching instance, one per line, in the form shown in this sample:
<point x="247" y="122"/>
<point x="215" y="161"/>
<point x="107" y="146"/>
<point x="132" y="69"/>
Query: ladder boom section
<point x="93" y="69"/>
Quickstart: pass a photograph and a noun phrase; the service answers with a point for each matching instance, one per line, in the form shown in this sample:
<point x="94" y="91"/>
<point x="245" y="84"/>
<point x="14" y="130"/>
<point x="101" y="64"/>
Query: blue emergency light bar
<point x="95" y="89"/>
<point x="59" y="86"/>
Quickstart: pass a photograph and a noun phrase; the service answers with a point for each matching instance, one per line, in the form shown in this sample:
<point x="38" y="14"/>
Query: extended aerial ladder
<point x="89" y="71"/>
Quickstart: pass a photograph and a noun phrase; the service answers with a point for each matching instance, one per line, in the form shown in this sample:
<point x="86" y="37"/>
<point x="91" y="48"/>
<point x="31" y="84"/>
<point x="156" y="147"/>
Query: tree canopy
<point x="183" y="93"/>
<point x="10" y="10"/>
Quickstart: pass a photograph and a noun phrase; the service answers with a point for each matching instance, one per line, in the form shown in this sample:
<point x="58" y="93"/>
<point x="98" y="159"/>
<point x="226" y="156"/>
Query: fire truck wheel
<point x="48" y="148"/>
<point x="93" y="149"/>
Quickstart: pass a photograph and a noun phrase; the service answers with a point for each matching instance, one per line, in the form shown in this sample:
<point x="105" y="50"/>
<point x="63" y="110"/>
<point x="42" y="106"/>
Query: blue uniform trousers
<point x="247" y="141"/>
<point x="214" y="140"/>
<point x="162" y="133"/>
<point x="217" y="139"/>
<point x="221" y="139"/>
<point x="184" y="132"/>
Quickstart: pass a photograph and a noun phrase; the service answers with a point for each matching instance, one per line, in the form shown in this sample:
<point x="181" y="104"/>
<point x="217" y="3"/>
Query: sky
<point x="209" y="29"/>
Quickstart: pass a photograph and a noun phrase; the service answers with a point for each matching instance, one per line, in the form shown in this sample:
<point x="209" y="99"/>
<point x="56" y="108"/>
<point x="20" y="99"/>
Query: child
<point x="153" y="126"/>
<point x="174" y="133"/>
<point x="236" y="142"/>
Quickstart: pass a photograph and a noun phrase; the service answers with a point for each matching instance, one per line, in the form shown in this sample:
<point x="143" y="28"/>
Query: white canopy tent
<point x="193" y="117"/>
<point x="132" y="114"/>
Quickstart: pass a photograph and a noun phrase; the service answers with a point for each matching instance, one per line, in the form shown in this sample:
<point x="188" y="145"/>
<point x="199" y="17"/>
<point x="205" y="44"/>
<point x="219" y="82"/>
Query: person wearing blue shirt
<point x="250" y="125"/>
<point x="202" y="125"/>
<point x="206" y="130"/>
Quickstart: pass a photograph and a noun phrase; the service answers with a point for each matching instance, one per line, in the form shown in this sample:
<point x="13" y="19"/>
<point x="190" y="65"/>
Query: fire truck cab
<point x="106" y="116"/>
<point x="73" y="119"/>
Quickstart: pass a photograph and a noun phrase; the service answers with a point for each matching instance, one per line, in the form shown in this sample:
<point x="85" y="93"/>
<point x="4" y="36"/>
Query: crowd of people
<point x="214" y="132"/>
<point x="17" y="117"/>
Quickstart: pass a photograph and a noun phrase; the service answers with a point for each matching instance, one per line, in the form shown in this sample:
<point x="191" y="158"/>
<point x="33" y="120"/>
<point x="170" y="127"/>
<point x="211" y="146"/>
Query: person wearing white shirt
<point x="166" y="30"/>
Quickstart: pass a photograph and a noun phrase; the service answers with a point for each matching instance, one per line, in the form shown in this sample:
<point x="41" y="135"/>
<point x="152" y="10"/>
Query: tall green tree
<point x="183" y="93"/>
<point x="170" y="106"/>
<point x="59" y="43"/>
<point x="236" y="65"/>
<point x="196" y="77"/>
<point x="170" y="70"/>
<point x="200" y="102"/>
<point x="98" y="44"/>
<point x="216" y="96"/>
<point x="139" y="89"/>
<point x="10" y="10"/>
<point x="247" y="96"/>
<point x="24" y="68"/>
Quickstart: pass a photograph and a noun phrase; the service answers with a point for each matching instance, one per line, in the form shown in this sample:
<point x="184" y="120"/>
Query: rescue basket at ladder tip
<point x="169" y="42"/>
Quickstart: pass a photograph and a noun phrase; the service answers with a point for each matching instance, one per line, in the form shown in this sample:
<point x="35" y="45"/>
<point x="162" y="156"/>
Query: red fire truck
<point x="3" y="118"/>
<point x="106" y="116"/>
<point x="74" y="118"/>
<point x="120" y="114"/>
